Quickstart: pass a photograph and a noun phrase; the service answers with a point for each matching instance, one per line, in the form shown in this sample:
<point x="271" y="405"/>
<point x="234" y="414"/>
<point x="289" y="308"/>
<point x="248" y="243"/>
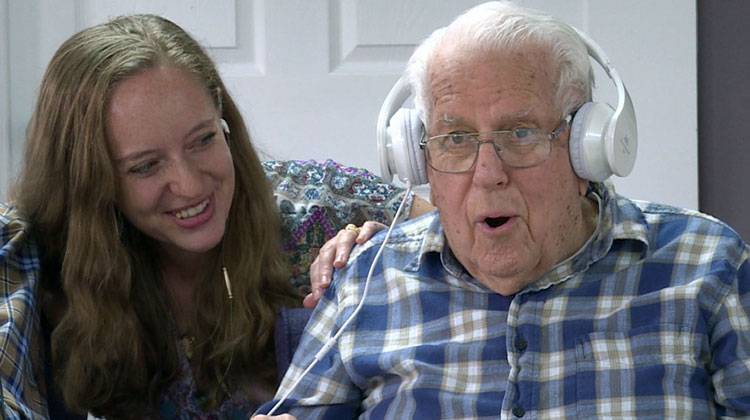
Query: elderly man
<point x="530" y="292"/>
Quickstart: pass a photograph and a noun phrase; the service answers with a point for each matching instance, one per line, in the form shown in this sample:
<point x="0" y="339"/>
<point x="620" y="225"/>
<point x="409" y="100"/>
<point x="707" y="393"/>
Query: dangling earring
<point x="224" y="271"/>
<point x="119" y="223"/>
<point x="227" y="282"/>
<point x="228" y="285"/>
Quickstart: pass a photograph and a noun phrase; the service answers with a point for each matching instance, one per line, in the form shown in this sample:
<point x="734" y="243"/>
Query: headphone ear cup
<point x="586" y="144"/>
<point x="405" y="130"/>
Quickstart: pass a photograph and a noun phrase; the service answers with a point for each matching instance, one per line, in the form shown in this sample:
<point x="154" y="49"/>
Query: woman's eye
<point x="145" y="168"/>
<point x="206" y="140"/>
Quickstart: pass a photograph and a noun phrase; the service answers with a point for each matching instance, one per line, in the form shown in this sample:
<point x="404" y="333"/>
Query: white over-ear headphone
<point x="602" y="141"/>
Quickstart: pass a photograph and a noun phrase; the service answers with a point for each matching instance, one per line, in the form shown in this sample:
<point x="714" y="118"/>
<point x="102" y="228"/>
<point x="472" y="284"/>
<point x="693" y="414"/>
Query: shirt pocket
<point x="652" y="371"/>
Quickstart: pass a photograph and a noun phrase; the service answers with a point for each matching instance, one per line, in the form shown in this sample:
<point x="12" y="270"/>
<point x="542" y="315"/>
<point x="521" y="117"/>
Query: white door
<point x="310" y="75"/>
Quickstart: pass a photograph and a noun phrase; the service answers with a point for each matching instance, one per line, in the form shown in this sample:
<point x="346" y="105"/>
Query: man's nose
<point x="489" y="169"/>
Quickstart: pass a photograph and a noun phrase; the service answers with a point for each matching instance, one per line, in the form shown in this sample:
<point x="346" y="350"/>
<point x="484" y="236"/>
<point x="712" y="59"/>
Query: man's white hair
<point x="503" y="26"/>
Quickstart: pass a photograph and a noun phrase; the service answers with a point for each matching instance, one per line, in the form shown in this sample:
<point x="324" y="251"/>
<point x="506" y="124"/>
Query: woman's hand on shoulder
<point x="335" y="254"/>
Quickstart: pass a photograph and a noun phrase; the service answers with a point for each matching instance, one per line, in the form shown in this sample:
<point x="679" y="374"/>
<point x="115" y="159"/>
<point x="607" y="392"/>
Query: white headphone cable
<point x="332" y="341"/>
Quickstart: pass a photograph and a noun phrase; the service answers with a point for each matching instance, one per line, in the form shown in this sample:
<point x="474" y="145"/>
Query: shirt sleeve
<point x="730" y="345"/>
<point x="317" y="199"/>
<point x="326" y="391"/>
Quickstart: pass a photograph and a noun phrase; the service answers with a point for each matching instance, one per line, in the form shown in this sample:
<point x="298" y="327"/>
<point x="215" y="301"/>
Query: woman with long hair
<point x="156" y="232"/>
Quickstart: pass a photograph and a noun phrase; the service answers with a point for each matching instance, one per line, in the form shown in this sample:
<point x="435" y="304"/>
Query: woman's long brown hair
<point x="112" y="350"/>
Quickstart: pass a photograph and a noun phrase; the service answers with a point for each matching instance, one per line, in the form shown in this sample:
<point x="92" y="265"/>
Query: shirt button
<point x="518" y="411"/>
<point x="521" y="344"/>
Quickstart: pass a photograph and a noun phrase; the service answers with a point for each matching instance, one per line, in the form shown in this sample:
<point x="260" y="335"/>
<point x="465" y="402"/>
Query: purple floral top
<point x="182" y="400"/>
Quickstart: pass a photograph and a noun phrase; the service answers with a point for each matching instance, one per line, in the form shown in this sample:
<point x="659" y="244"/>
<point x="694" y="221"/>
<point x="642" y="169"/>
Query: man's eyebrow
<point x="520" y="115"/>
<point x="446" y="119"/>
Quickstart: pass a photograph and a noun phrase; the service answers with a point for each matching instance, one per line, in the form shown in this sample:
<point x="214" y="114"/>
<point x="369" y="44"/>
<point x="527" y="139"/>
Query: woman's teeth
<point x="192" y="211"/>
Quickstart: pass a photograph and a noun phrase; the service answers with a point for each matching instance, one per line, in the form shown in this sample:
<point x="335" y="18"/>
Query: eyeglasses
<point x="518" y="148"/>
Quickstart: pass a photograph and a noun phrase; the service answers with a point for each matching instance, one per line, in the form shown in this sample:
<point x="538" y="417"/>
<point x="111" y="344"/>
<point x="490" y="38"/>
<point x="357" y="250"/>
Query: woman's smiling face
<point x="174" y="168"/>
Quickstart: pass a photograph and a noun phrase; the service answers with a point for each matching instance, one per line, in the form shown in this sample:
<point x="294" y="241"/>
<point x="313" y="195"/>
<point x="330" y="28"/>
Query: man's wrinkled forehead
<point x="450" y="80"/>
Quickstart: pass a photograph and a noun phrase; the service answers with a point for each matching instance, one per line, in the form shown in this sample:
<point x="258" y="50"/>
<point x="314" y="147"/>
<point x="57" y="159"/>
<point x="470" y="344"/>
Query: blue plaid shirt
<point x="649" y="319"/>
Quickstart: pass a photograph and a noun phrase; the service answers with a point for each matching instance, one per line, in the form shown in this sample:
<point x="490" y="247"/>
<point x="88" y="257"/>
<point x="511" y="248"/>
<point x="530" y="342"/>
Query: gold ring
<point x="353" y="228"/>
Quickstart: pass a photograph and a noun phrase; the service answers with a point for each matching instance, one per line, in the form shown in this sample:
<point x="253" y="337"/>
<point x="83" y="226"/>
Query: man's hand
<point x="335" y="254"/>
